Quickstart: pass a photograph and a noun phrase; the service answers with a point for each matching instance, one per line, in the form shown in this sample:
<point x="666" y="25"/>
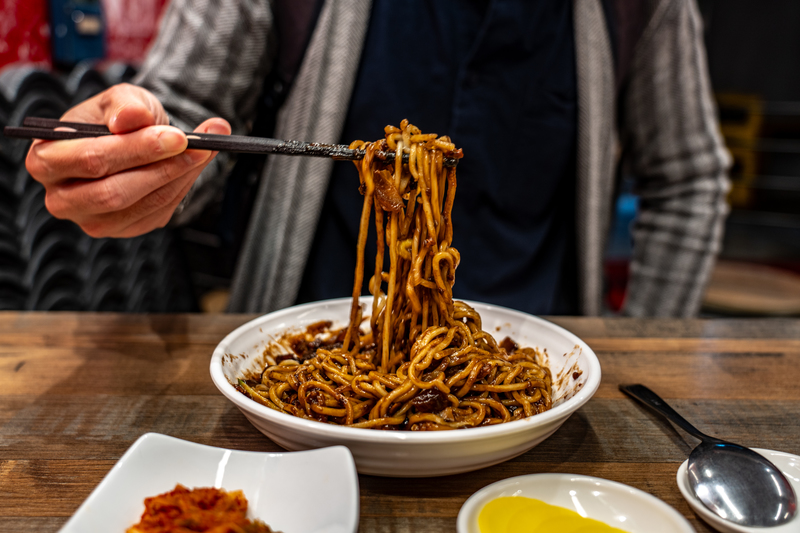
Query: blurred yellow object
<point x="740" y="116"/>
<point x="740" y="121"/>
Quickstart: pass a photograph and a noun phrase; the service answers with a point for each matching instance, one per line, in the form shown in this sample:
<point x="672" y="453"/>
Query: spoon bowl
<point x="732" y="481"/>
<point x="721" y="474"/>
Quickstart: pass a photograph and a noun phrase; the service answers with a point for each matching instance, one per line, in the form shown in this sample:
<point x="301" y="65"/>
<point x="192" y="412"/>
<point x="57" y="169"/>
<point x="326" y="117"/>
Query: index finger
<point x="95" y="157"/>
<point x="123" y="108"/>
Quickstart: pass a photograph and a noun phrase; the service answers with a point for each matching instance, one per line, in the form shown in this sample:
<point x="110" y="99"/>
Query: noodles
<point x="425" y="363"/>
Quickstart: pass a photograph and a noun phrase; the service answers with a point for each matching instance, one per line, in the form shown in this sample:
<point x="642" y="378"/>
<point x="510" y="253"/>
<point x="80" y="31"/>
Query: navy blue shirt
<point x="498" y="77"/>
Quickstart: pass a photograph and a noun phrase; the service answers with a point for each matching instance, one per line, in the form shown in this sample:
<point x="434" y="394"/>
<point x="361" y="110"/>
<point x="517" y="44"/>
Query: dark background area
<point x="754" y="62"/>
<point x="754" y="46"/>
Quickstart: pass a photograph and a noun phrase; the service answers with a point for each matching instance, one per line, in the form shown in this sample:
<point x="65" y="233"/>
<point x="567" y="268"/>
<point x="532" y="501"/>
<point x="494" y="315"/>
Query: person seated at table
<point x="542" y="96"/>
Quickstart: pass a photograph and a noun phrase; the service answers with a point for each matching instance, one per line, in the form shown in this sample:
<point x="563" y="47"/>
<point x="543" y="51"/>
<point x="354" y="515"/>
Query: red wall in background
<point x="130" y="26"/>
<point x="24" y="32"/>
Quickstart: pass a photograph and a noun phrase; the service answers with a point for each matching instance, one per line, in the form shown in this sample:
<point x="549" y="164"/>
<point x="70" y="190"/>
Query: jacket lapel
<point x="595" y="153"/>
<point x="277" y="243"/>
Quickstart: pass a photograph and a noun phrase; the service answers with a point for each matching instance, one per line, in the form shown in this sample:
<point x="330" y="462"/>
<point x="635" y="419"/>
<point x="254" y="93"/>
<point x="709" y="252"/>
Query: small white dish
<point x="576" y="377"/>
<point x="615" y="504"/>
<point x="299" y="492"/>
<point x="786" y="462"/>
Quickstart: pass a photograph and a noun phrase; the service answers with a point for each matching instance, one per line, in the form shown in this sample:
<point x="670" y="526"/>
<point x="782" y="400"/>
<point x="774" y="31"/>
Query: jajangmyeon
<point x="424" y="363"/>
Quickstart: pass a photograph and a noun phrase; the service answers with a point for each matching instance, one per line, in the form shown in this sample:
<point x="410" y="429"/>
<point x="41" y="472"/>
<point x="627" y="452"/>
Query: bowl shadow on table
<point x="240" y="434"/>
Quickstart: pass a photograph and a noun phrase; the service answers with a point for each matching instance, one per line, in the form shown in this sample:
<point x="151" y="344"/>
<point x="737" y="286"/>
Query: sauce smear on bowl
<point x="517" y="514"/>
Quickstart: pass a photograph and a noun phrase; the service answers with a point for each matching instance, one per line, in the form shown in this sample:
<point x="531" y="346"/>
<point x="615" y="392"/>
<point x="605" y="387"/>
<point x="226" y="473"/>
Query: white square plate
<point x="294" y="492"/>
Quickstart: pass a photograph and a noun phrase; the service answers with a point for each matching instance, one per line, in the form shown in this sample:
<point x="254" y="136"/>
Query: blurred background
<point x="56" y="53"/>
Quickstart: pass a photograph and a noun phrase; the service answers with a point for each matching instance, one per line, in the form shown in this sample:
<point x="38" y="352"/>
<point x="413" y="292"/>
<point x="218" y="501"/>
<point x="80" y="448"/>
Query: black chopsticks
<point x="44" y="128"/>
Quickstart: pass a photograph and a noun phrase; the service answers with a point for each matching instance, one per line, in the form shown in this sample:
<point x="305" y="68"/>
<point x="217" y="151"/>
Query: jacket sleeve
<point x="674" y="149"/>
<point x="209" y="60"/>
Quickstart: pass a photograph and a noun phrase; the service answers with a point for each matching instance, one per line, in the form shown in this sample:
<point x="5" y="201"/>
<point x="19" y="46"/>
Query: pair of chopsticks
<point x="45" y="128"/>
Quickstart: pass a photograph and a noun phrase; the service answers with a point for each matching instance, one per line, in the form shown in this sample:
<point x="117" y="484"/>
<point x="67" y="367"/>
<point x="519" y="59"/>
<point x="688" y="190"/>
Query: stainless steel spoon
<point x="734" y="482"/>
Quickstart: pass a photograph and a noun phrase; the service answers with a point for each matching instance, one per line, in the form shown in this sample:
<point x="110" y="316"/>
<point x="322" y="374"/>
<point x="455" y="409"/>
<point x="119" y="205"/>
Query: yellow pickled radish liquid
<point x="517" y="514"/>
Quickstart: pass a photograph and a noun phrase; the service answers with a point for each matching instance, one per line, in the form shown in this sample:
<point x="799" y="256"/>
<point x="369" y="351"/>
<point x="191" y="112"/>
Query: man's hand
<point x="120" y="185"/>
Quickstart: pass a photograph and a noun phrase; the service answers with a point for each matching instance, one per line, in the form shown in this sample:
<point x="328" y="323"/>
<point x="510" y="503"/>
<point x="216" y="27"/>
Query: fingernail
<point x="115" y="118"/>
<point x="171" y="140"/>
<point x="192" y="157"/>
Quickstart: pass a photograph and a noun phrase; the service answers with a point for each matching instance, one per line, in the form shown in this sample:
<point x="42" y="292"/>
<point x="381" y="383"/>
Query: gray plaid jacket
<point x="211" y="58"/>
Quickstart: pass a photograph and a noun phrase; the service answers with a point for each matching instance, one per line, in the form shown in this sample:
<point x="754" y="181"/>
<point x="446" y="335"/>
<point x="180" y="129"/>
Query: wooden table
<point x="76" y="390"/>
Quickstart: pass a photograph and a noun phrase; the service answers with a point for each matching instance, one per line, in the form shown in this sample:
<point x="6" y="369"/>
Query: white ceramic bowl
<point x="271" y="482"/>
<point x="615" y="504"/>
<point x="407" y="453"/>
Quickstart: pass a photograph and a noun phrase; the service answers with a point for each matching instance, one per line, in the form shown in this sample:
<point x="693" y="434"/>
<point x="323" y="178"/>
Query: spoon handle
<point x="654" y="402"/>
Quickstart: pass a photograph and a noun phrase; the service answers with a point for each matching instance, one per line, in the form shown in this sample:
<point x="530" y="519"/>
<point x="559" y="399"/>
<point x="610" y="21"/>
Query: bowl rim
<point x="554" y="415"/>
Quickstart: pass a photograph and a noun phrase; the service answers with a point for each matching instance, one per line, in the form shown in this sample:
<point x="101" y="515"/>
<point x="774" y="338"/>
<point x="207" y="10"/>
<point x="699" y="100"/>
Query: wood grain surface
<point x="77" y="389"/>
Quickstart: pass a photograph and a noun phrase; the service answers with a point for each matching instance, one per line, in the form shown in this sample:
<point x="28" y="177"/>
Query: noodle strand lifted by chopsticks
<point x="425" y="363"/>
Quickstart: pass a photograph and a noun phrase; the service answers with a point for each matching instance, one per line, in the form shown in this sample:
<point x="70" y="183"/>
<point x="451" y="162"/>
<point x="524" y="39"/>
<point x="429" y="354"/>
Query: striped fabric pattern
<point x="677" y="152"/>
<point x="211" y="58"/>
